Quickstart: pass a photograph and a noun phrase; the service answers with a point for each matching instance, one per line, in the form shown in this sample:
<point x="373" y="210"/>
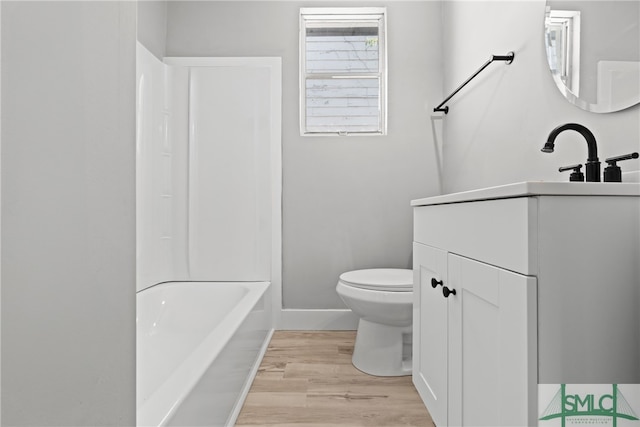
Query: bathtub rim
<point x="162" y="404"/>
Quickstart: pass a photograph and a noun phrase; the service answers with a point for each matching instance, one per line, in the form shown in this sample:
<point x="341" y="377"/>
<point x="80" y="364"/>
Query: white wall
<point x="152" y="26"/>
<point x="498" y="123"/>
<point x="68" y="238"/>
<point x="345" y="200"/>
<point x="0" y="210"/>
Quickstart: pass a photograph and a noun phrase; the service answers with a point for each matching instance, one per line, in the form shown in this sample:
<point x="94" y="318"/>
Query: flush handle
<point x="446" y="291"/>
<point x="435" y="283"/>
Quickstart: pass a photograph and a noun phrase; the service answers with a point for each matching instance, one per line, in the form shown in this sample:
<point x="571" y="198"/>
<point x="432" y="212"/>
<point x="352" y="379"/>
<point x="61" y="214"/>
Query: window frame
<point x="355" y="14"/>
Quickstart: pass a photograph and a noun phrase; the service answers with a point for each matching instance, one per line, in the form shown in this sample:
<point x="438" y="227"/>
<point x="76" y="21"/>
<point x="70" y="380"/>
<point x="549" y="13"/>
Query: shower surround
<point x="208" y="232"/>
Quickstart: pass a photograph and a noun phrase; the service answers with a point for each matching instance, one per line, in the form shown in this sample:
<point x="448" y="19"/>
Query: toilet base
<point x="382" y="350"/>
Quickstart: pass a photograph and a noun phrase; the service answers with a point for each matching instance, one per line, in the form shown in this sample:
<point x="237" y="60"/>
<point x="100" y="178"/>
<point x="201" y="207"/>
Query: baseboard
<point x="318" y="320"/>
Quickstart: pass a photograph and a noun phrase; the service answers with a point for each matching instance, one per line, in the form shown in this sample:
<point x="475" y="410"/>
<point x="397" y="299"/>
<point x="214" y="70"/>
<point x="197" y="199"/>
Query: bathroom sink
<point x="536" y="188"/>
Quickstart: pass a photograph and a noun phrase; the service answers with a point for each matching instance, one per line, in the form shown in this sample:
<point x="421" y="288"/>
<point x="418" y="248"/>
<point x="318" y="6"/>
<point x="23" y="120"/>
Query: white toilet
<point x="383" y="299"/>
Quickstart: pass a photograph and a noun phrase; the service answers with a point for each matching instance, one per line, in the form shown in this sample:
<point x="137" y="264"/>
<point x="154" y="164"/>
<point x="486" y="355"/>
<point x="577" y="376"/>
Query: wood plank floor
<point x="307" y="379"/>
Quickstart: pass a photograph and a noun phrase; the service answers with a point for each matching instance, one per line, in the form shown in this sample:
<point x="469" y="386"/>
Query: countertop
<point x="536" y="188"/>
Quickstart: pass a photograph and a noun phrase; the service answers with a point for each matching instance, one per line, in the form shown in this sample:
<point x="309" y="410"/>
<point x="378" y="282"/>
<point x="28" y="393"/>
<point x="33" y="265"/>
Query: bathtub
<point x="198" y="348"/>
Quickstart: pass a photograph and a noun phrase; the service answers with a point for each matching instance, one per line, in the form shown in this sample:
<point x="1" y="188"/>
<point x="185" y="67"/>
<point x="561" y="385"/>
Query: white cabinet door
<point x="492" y="345"/>
<point x="430" y="330"/>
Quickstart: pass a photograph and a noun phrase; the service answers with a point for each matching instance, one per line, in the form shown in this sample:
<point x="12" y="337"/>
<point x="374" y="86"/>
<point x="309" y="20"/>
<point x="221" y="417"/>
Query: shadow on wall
<point x="436" y="132"/>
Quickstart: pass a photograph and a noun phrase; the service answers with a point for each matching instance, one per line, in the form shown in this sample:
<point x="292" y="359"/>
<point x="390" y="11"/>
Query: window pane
<point x="342" y="50"/>
<point x="342" y="71"/>
<point x="343" y="105"/>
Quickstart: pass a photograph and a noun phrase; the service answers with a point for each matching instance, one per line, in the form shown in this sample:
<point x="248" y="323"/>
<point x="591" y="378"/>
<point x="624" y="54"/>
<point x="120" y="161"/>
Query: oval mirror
<point x="593" y="51"/>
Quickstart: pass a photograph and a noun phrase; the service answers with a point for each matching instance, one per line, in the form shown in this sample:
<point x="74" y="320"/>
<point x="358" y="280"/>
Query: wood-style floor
<point x="307" y="379"/>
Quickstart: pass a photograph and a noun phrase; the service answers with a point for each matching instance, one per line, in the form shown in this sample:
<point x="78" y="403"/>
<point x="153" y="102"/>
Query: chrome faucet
<point x="592" y="166"/>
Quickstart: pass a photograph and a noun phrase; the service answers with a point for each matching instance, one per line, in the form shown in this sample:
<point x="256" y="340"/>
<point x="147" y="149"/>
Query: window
<point x="562" y="31"/>
<point x="342" y="71"/>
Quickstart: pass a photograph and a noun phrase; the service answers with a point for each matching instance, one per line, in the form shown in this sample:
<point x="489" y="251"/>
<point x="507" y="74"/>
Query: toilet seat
<point x="380" y="279"/>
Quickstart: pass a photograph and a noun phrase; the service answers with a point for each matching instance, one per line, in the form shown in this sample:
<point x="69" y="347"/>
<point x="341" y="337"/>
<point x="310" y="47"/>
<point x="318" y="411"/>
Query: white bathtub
<point x="198" y="348"/>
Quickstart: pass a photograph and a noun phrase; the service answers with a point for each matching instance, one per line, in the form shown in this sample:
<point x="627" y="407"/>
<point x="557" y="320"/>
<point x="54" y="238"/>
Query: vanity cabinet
<point x="517" y="290"/>
<point x="483" y="331"/>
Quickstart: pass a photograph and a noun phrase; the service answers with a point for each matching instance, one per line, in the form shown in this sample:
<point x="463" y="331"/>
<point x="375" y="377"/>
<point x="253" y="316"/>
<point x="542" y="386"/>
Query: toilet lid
<point x="380" y="279"/>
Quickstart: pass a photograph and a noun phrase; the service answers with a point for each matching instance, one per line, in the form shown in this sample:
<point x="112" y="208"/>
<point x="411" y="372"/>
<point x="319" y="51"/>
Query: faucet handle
<point x="612" y="160"/>
<point x="576" y="175"/>
<point x="613" y="173"/>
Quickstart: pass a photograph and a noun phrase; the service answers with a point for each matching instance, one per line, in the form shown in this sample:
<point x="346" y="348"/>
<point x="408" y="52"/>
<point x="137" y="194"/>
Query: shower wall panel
<point x="229" y="188"/>
<point x="208" y="170"/>
<point x="154" y="176"/>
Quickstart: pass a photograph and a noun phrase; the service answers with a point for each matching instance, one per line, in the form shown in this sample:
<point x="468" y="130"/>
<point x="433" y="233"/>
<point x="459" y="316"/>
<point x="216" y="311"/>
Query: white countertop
<point x="536" y="188"/>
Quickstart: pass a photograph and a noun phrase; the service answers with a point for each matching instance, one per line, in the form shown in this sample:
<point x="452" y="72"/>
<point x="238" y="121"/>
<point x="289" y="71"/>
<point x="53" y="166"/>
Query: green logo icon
<point x="589" y="406"/>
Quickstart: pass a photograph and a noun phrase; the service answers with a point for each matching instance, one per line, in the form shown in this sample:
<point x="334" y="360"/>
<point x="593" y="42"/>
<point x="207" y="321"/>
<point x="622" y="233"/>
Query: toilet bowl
<point x="383" y="300"/>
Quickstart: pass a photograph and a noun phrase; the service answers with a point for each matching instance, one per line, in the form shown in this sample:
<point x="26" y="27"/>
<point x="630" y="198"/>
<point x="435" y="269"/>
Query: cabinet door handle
<point x="446" y="292"/>
<point x="435" y="283"/>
